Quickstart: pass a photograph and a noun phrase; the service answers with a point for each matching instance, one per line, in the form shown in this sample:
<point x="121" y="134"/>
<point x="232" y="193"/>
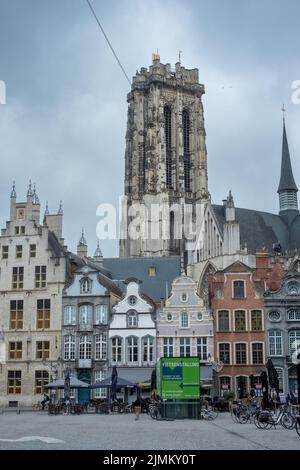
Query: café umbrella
<point x="60" y="384"/>
<point x="114" y="380"/>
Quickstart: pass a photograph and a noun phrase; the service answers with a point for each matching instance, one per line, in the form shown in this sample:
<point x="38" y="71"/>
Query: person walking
<point x="137" y="408"/>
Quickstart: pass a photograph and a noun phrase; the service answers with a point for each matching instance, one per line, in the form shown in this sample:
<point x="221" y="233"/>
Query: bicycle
<point x="210" y="413"/>
<point x="266" y="419"/>
<point x="39" y="407"/>
<point x="154" y="410"/>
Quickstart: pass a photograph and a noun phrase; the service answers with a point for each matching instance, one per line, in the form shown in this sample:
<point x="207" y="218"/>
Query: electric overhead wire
<point x="108" y="41"/>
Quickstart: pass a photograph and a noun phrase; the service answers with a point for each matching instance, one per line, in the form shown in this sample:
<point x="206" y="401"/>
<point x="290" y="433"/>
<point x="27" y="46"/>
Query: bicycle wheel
<point x="213" y="412"/>
<point x="287" y="421"/>
<point x="298" y="426"/>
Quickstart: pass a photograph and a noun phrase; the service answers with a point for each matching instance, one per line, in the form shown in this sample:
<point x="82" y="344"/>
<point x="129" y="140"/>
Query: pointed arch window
<point x="168" y="144"/>
<point x="186" y="149"/>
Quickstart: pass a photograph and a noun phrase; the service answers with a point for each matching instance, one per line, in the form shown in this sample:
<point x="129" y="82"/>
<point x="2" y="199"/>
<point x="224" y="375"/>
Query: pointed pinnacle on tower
<point x="60" y="209"/>
<point x="29" y="192"/>
<point x="82" y="240"/>
<point x="13" y="191"/>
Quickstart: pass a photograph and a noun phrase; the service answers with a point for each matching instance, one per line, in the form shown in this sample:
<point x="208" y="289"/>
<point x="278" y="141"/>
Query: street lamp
<point x="53" y="366"/>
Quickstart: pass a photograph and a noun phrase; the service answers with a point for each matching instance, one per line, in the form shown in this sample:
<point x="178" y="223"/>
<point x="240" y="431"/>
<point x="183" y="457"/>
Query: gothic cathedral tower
<point x="165" y="159"/>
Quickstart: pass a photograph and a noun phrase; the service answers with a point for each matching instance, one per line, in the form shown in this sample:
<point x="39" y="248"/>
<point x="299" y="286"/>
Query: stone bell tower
<point x="165" y="158"/>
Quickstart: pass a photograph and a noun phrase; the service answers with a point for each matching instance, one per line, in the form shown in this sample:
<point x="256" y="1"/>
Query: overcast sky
<point x="65" y="119"/>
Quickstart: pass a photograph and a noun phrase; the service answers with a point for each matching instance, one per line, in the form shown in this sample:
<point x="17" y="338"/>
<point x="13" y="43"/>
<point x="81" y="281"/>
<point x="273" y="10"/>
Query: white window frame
<point x="69" y="348"/>
<point x="294" y="345"/>
<point x="296" y="312"/>
<point x="247" y="354"/>
<point x="230" y="352"/>
<point x="132" y="349"/>
<point x="185" y="315"/>
<point x="274" y="330"/>
<point x="118" y="347"/>
<point x="263" y="352"/>
<point x="229" y="320"/>
<point x="168" y="345"/>
<point x="85" y="347"/>
<point x="99" y="375"/>
<point x="187" y="344"/>
<point x="246" y="320"/>
<point x="203" y="346"/>
<point x="85" y="314"/>
<point x="101" y="346"/>
<point x="101" y="314"/>
<point x="148" y="347"/>
<point x="132" y="315"/>
<point x="232" y="289"/>
<point x="69" y="315"/>
<point x="262" y="319"/>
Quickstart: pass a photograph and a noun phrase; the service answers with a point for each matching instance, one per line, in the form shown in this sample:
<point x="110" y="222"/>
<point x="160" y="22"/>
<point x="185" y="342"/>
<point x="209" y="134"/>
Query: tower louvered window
<point x="168" y="143"/>
<point x="186" y="150"/>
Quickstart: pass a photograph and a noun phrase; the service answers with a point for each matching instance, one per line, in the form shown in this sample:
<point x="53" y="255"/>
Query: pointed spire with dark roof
<point x="287" y="188"/>
<point x="287" y="181"/>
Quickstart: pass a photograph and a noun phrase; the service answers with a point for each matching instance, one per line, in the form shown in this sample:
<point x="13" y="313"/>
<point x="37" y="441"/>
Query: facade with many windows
<point x="283" y="328"/>
<point x="185" y="328"/>
<point x="237" y="302"/>
<point x="33" y="272"/>
<point x="86" y="310"/>
<point x="132" y="335"/>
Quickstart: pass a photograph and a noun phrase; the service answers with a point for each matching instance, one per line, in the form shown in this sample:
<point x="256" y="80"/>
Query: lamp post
<point x="54" y="367"/>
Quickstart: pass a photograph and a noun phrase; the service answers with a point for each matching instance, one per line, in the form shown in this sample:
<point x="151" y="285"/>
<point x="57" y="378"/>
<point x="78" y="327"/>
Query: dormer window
<point x="86" y="286"/>
<point x="132" y="319"/>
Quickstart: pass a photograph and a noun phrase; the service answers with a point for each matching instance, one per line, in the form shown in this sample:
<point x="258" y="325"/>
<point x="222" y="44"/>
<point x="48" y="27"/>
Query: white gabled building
<point x="132" y="335"/>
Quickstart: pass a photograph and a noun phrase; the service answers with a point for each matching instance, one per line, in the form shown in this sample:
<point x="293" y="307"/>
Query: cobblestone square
<point x="121" y="432"/>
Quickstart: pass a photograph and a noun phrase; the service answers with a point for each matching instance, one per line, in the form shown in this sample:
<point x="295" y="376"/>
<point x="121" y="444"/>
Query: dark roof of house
<point x="155" y="287"/>
<point x="287" y="181"/>
<point x="261" y="229"/>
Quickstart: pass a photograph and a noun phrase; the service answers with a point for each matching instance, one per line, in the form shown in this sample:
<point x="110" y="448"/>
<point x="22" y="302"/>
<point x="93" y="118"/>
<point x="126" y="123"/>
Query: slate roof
<point x="167" y="268"/>
<point x="260" y="229"/>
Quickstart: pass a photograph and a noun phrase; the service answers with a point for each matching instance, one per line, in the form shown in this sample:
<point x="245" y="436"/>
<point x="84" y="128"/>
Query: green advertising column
<point x="178" y="377"/>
